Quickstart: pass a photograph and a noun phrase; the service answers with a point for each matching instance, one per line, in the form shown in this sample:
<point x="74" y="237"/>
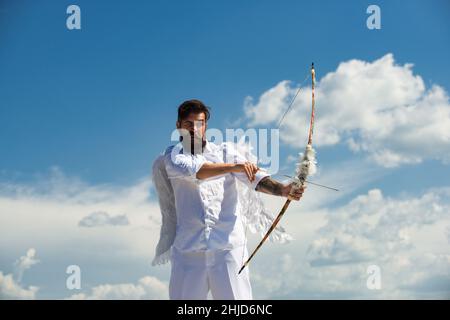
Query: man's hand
<point x="296" y="194"/>
<point x="249" y="168"/>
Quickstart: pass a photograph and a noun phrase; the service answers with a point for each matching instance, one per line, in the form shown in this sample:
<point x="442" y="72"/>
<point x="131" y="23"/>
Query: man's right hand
<point x="249" y="168"/>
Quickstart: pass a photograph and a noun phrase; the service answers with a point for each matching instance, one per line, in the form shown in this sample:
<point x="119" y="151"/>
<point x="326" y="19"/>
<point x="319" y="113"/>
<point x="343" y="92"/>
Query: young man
<point x="202" y="232"/>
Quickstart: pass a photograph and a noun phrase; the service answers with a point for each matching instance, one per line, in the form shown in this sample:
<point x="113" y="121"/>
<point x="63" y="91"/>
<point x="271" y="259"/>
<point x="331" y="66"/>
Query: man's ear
<point x="178" y="124"/>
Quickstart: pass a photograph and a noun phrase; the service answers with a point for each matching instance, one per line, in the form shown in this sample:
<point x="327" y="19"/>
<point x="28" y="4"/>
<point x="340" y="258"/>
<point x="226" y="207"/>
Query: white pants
<point x="195" y="273"/>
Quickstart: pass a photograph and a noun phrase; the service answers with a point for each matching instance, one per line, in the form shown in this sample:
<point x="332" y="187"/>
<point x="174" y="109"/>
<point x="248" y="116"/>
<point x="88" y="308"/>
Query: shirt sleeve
<point x="241" y="155"/>
<point x="184" y="165"/>
<point x="258" y="177"/>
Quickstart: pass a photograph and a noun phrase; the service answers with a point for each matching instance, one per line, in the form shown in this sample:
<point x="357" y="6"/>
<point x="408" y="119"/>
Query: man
<point x="202" y="233"/>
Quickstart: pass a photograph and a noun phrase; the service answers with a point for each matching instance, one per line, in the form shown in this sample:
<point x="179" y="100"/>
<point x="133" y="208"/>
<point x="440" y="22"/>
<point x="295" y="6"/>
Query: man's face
<point x="193" y="129"/>
<point x="195" y="124"/>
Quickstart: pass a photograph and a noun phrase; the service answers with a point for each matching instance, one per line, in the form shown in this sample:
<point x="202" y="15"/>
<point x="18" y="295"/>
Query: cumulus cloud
<point x="46" y="213"/>
<point x="101" y="218"/>
<point x="405" y="236"/>
<point x="146" y="288"/>
<point x="379" y="108"/>
<point x="373" y="226"/>
<point x="10" y="287"/>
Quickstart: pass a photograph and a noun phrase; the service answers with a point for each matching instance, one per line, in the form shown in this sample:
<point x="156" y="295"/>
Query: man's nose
<point x="196" y="129"/>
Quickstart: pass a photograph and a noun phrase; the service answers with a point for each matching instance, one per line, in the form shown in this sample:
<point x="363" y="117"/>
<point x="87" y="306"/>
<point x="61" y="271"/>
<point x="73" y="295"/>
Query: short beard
<point x="194" y="145"/>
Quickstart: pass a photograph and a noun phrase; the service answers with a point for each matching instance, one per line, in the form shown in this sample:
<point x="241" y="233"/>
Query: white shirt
<point x="206" y="214"/>
<point x="207" y="211"/>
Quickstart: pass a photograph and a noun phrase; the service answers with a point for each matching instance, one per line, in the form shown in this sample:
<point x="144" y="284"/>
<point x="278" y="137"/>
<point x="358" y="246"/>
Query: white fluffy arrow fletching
<point x="306" y="166"/>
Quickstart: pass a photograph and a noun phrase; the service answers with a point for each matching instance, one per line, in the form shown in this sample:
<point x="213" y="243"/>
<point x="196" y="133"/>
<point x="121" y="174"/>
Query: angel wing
<point x="254" y="214"/>
<point x="168" y="212"/>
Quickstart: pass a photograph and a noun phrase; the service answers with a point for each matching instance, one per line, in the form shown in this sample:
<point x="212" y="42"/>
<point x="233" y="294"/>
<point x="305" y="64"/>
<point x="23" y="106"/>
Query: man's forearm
<point x="209" y="170"/>
<point x="270" y="186"/>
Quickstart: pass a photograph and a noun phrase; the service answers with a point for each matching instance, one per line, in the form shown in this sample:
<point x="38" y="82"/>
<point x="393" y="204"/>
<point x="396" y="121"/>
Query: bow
<point x="305" y="167"/>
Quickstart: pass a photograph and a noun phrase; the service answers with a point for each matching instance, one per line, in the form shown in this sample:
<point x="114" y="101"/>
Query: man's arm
<point x="209" y="170"/>
<point x="273" y="187"/>
<point x="270" y="186"/>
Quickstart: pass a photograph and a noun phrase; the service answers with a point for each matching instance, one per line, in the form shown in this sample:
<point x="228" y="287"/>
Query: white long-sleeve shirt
<point x="206" y="214"/>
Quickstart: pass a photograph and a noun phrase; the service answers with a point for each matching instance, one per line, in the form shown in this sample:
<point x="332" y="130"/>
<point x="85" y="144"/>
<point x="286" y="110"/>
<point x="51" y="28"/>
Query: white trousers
<point x="194" y="274"/>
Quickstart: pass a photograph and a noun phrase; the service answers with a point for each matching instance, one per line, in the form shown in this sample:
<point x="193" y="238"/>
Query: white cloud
<point x="44" y="214"/>
<point x="55" y="204"/>
<point x="101" y="218"/>
<point x="405" y="236"/>
<point x="270" y="104"/>
<point x="448" y="234"/>
<point x="146" y="288"/>
<point x="336" y="175"/>
<point x="372" y="226"/>
<point x="379" y="108"/>
<point x="12" y="289"/>
<point x="25" y="262"/>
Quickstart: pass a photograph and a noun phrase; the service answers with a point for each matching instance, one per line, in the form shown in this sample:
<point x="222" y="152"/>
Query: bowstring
<point x="292" y="101"/>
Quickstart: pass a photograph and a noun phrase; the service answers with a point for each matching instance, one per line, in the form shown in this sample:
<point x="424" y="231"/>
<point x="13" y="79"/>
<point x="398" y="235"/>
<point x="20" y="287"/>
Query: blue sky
<point x="99" y="104"/>
<point x="78" y="99"/>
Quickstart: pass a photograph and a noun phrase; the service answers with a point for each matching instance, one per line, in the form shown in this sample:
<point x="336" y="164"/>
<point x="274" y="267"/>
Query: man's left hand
<point x="296" y="194"/>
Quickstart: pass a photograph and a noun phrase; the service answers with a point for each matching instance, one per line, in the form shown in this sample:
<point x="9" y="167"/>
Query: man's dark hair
<point x="192" y="106"/>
